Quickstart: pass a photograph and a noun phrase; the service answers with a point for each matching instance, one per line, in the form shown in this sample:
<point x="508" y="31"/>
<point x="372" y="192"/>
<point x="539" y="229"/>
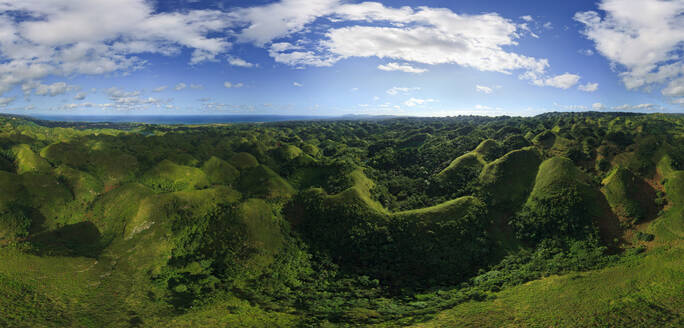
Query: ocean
<point x="179" y="119"/>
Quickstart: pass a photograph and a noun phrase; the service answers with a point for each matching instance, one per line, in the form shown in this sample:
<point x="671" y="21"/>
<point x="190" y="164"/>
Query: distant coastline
<point x="177" y="119"/>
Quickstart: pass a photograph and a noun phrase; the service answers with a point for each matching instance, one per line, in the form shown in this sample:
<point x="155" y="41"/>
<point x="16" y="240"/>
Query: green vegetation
<point x="563" y="219"/>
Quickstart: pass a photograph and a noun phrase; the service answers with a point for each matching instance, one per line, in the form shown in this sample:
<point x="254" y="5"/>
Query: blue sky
<point x="336" y="57"/>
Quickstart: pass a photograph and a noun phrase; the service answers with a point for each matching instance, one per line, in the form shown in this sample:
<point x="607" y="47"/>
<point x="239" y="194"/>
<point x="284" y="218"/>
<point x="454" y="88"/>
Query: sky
<point x="337" y="57"/>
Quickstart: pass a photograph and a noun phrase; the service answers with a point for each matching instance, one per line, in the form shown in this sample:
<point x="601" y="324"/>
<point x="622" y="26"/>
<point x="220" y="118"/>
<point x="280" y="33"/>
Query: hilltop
<point x="563" y="219"/>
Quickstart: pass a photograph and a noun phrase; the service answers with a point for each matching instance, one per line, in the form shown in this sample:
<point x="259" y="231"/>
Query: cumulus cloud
<point x="55" y="89"/>
<point x="297" y="84"/>
<point x="64" y="37"/>
<point x="675" y="88"/>
<point x="642" y="37"/>
<point x="279" y="19"/>
<point x="129" y="100"/>
<point x="239" y="62"/>
<point x="626" y="107"/>
<point x="160" y="88"/>
<point x="401" y="67"/>
<point x="589" y="87"/>
<point x="80" y="96"/>
<point x="401" y="90"/>
<point x="196" y="86"/>
<point x="636" y="107"/>
<point x="562" y="81"/>
<point x="483" y="89"/>
<point x="180" y="86"/>
<point x="5" y="101"/>
<point x="232" y="85"/>
<point x="417" y="101"/>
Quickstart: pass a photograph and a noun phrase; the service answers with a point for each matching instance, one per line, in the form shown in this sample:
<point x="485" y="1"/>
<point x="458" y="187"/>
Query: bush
<point x="643" y="236"/>
<point x="563" y="214"/>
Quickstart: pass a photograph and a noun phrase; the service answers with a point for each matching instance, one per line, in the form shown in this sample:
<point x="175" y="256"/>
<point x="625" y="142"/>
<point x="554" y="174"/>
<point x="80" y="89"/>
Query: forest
<point x="556" y="220"/>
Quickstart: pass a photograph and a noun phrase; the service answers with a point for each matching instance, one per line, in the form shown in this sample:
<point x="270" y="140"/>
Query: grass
<point x="113" y="210"/>
<point x="621" y="188"/>
<point x="168" y="176"/>
<point x="229" y="312"/>
<point x="263" y="231"/>
<point x="243" y="161"/>
<point x="670" y="227"/>
<point x="12" y="189"/>
<point x="113" y="167"/>
<point x="489" y="149"/>
<point x="262" y="182"/>
<point x="50" y="197"/>
<point x="508" y="180"/>
<point x="74" y="155"/>
<point x="220" y="172"/>
<point x="447" y="210"/>
<point x="470" y="161"/>
<point x="642" y="292"/>
<point x="288" y="152"/>
<point x="84" y="186"/>
<point x="27" y="161"/>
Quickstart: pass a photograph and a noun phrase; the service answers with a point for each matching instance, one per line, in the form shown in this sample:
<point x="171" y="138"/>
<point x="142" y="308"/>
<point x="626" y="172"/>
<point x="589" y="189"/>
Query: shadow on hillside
<point x="610" y="230"/>
<point x="79" y="239"/>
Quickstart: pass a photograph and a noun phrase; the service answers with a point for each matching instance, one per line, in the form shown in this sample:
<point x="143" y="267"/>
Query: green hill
<point x="261" y="181"/>
<point x="168" y="176"/>
<point x="508" y="180"/>
<point x="428" y="222"/>
<point x="627" y="194"/>
<point x="220" y="172"/>
<point x="28" y="161"/>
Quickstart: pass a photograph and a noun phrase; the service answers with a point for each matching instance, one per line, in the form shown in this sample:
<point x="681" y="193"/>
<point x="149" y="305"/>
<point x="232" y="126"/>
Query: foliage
<point x="481" y="221"/>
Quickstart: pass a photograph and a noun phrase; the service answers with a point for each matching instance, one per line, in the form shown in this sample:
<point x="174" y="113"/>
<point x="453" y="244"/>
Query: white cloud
<point x="231" y="85"/>
<point x="401" y="90"/>
<point x="483" y="89"/>
<point x="586" y="52"/>
<point x="589" y="87"/>
<point x="571" y="107"/>
<point x="287" y="53"/>
<point x="297" y="84"/>
<point x="636" y="107"/>
<point x="439" y="36"/>
<point x="55" y="89"/>
<point x="160" y="88"/>
<point x="527" y="18"/>
<point x="562" y="81"/>
<point x="643" y="37"/>
<point x="196" y="86"/>
<point x="65" y="37"/>
<point x="424" y="35"/>
<point x="80" y="96"/>
<point x="675" y="88"/>
<point x="239" y="62"/>
<point x="401" y="67"/>
<point x="4" y="102"/>
<point x="548" y="26"/>
<point x="626" y="107"/>
<point x="279" y="19"/>
<point x="417" y="101"/>
<point x="180" y="86"/>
